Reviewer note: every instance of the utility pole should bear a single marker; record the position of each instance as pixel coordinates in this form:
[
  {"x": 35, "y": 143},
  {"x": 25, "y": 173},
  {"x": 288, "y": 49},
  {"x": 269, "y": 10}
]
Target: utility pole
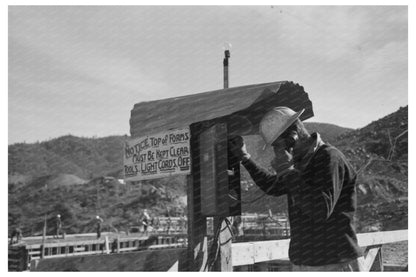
[
  {"x": 42, "y": 254},
  {"x": 97, "y": 202},
  {"x": 225, "y": 63}
]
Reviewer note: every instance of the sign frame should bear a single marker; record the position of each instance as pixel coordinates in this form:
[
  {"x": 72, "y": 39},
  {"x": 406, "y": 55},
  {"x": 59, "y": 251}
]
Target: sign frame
[{"x": 160, "y": 155}]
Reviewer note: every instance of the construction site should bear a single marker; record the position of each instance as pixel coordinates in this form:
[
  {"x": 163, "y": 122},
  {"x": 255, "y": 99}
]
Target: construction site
[
  {"x": 211, "y": 195},
  {"x": 236, "y": 178}
]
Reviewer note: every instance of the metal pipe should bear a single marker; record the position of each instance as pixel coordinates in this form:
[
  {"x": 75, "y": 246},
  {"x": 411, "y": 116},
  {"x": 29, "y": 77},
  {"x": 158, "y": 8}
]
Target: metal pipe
[{"x": 225, "y": 63}]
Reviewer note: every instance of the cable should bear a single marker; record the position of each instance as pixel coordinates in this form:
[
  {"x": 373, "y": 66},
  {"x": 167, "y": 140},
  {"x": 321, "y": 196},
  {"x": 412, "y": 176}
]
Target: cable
[
  {"x": 229, "y": 224},
  {"x": 216, "y": 243},
  {"x": 211, "y": 261},
  {"x": 247, "y": 202}
]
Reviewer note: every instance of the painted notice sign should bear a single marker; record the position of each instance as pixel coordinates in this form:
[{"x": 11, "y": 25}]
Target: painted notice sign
[{"x": 157, "y": 156}]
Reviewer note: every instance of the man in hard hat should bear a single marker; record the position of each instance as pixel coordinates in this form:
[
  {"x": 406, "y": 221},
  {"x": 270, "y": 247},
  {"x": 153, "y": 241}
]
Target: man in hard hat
[
  {"x": 17, "y": 232},
  {"x": 58, "y": 226},
  {"x": 99, "y": 222},
  {"x": 320, "y": 185},
  {"x": 145, "y": 220}
]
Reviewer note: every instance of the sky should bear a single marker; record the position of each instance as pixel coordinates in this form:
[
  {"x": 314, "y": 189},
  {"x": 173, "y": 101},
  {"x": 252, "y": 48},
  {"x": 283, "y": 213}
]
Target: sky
[{"x": 80, "y": 69}]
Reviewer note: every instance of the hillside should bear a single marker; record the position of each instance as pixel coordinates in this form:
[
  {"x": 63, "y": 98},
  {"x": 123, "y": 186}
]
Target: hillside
[
  {"x": 379, "y": 151},
  {"x": 78, "y": 202},
  {"x": 83, "y": 157},
  {"x": 65, "y": 175},
  {"x": 329, "y": 132}
]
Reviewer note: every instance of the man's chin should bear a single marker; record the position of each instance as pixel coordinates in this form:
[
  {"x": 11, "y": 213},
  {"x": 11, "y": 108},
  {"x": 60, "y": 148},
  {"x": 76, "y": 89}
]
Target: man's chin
[{"x": 296, "y": 156}]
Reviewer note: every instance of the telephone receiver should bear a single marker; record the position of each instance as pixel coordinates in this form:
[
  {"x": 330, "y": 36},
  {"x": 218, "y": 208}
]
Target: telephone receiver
[{"x": 233, "y": 141}]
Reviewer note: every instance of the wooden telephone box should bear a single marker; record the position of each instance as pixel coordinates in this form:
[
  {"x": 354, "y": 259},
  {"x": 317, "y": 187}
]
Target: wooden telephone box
[
  {"x": 213, "y": 185},
  {"x": 220, "y": 174}
]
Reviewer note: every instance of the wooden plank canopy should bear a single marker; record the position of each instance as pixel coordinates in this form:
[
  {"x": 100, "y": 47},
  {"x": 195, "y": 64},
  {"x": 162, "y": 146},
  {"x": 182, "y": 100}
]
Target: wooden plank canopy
[{"x": 240, "y": 107}]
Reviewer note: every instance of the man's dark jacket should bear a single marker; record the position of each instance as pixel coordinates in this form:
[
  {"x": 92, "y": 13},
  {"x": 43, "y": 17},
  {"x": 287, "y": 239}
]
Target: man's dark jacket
[{"x": 321, "y": 203}]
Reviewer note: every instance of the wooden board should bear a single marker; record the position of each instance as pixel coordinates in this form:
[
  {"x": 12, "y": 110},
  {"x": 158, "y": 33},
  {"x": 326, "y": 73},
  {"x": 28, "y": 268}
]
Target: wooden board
[
  {"x": 213, "y": 171},
  {"x": 245, "y": 253},
  {"x": 197, "y": 225},
  {"x": 165, "y": 154}
]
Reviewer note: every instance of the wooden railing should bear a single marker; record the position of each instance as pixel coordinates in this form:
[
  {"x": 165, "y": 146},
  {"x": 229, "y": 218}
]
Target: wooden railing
[
  {"x": 20, "y": 256},
  {"x": 250, "y": 253},
  {"x": 246, "y": 256},
  {"x": 104, "y": 246}
]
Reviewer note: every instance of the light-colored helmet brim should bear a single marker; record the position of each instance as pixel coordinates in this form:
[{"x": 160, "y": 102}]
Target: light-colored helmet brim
[{"x": 292, "y": 120}]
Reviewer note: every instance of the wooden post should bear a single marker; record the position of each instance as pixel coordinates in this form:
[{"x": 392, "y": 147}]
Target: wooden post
[
  {"x": 107, "y": 245},
  {"x": 373, "y": 259},
  {"x": 42, "y": 254},
  {"x": 210, "y": 178},
  {"x": 222, "y": 201},
  {"x": 378, "y": 261},
  {"x": 224, "y": 260},
  {"x": 197, "y": 225},
  {"x": 118, "y": 244}
]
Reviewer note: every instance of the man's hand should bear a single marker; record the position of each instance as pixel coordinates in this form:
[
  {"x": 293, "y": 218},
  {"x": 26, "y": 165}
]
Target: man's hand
[
  {"x": 283, "y": 160},
  {"x": 237, "y": 147}
]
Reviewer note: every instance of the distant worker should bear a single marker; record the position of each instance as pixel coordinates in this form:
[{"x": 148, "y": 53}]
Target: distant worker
[
  {"x": 145, "y": 220},
  {"x": 182, "y": 223},
  {"x": 156, "y": 223},
  {"x": 236, "y": 228},
  {"x": 114, "y": 246},
  {"x": 58, "y": 226},
  {"x": 17, "y": 232},
  {"x": 320, "y": 185},
  {"x": 99, "y": 222},
  {"x": 168, "y": 224}
]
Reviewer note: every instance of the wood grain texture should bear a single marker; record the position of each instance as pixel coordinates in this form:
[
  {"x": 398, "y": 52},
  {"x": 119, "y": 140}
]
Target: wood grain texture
[
  {"x": 245, "y": 253},
  {"x": 241, "y": 107},
  {"x": 197, "y": 225}
]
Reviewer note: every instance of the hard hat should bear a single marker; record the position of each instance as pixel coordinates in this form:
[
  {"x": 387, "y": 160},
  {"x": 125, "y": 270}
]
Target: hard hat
[
  {"x": 276, "y": 121},
  {"x": 97, "y": 217},
  {"x": 58, "y": 215}
]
